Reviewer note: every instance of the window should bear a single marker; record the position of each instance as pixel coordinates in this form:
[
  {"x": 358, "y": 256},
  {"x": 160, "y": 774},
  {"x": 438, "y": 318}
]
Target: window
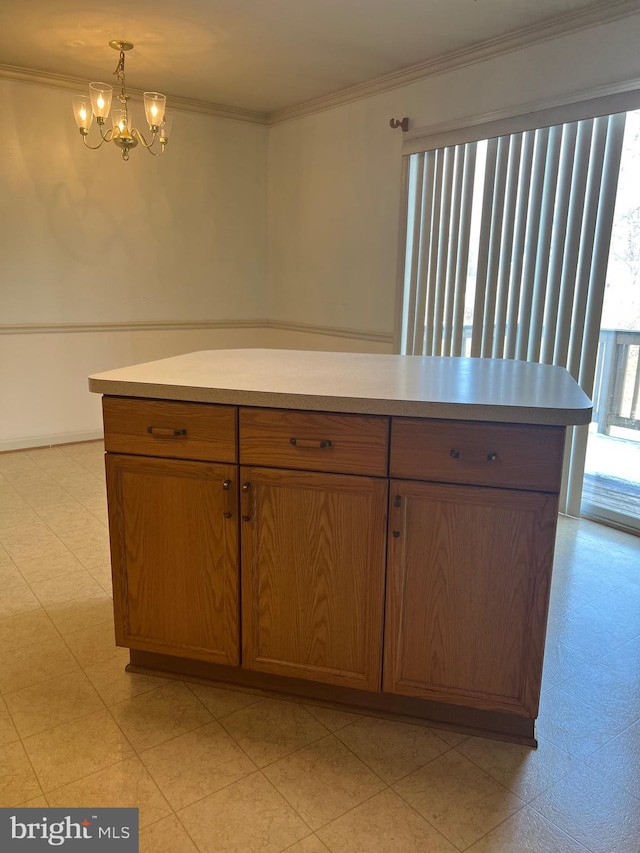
[{"x": 506, "y": 248}]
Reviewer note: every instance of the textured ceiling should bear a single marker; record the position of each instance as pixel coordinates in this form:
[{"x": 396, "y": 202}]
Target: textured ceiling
[{"x": 261, "y": 55}]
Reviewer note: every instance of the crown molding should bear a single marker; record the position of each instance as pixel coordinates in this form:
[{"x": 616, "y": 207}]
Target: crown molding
[
  {"x": 603, "y": 12},
  {"x": 188, "y": 326},
  {"x": 61, "y": 81}
]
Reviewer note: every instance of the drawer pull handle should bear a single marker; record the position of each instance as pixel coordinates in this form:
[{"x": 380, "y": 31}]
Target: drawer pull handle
[
  {"x": 226, "y": 494},
  {"x": 246, "y": 502},
  {"x": 162, "y": 432},
  {"x": 455, "y": 454},
  {"x": 310, "y": 442},
  {"x": 491, "y": 457}
]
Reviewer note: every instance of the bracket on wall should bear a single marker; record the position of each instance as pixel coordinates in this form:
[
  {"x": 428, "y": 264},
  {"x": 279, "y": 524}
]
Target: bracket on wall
[{"x": 400, "y": 122}]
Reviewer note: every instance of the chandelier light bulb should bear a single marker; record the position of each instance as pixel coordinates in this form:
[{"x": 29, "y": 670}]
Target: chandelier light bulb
[{"x": 82, "y": 113}]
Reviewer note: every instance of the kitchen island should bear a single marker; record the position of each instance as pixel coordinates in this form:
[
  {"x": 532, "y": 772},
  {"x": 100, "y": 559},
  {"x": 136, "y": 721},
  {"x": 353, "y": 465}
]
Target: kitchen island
[{"x": 369, "y": 530}]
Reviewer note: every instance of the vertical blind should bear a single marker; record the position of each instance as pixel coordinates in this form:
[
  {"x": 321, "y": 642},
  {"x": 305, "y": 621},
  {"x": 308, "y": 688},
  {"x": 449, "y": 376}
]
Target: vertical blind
[{"x": 507, "y": 244}]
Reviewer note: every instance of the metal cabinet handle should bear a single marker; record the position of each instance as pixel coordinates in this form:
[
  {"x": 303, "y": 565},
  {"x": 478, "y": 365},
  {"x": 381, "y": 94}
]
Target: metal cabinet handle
[
  {"x": 491, "y": 457},
  {"x": 310, "y": 442},
  {"x": 226, "y": 496},
  {"x": 163, "y": 432},
  {"x": 455, "y": 454},
  {"x": 246, "y": 502}
]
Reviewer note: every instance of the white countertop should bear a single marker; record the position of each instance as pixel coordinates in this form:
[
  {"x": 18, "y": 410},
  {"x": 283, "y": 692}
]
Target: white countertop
[{"x": 414, "y": 386}]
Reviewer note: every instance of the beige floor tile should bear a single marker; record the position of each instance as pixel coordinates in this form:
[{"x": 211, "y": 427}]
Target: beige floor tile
[
  {"x": 526, "y": 832},
  {"x": 246, "y": 816},
  {"x": 166, "y": 836},
  {"x": 323, "y": 781},
  {"x": 96, "y": 536},
  {"x": 35, "y": 803},
  {"x": 17, "y": 599},
  {"x": 50, "y": 565},
  {"x": 8, "y": 732},
  {"x": 123, "y": 785},
  {"x": 159, "y": 715},
  {"x": 25, "y": 629},
  {"x": 572, "y": 726},
  {"x": 66, "y": 588},
  {"x": 310, "y": 844},
  {"x": 196, "y": 764},
  {"x": 600, "y": 627},
  {"x": 18, "y": 782},
  {"x": 383, "y": 824},
  {"x": 10, "y": 576},
  {"x": 332, "y": 718},
  {"x": 458, "y": 798},
  {"x": 450, "y": 737},
  {"x": 525, "y": 771},
  {"x": 102, "y": 575},
  {"x": 83, "y": 613},
  {"x": 613, "y": 691},
  {"x": 270, "y": 729},
  {"x": 222, "y": 701},
  {"x": 73, "y": 518},
  {"x": 94, "y": 645},
  {"x": 48, "y": 704},
  {"x": 598, "y": 814},
  {"x": 392, "y": 750},
  {"x": 29, "y": 541},
  {"x": 114, "y": 684},
  {"x": 559, "y": 663},
  {"x": 619, "y": 760},
  {"x": 33, "y": 664},
  {"x": 13, "y": 517},
  {"x": 5, "y": 559},
  {"x": 93, "y": 555},
  {"x": 76, "y": 749}
]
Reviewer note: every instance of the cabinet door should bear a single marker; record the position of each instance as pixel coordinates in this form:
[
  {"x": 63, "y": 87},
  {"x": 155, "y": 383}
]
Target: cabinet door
[
  {"x": 467, "y": 594},
  {"x": 173, "y": 528},
  {"x": 313, "y": 553}
]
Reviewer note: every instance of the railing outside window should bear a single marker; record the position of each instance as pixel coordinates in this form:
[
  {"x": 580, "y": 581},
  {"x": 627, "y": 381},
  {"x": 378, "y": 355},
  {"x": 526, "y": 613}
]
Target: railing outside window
[{"x": 616, "y": 393}]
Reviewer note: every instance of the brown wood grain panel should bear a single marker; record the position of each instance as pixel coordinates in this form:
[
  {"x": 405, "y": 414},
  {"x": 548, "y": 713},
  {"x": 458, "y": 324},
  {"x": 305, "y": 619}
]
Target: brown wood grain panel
[
  {"x": 358, "y": 443},
  {"x": 526, "y": 457},
  {"x": 467, "y": 594},
  {"x": 174, "y": 557},
  {"x": 313, "y": 576},
  {"x": 208, "y": 430}
]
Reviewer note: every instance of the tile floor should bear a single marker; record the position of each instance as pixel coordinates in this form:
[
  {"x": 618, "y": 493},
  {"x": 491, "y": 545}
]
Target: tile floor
[{"x": 237, "y": 772}]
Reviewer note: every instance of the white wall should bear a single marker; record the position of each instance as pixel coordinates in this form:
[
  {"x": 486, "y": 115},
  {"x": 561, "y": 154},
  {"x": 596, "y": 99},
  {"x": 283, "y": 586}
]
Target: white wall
[
  {"x": 334, "y": 177},
  {"x": 87, "y": 238}
]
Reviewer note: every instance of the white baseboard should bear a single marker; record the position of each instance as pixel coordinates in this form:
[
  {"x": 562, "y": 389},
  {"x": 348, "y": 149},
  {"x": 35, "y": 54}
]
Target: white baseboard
[{"x": 49, "y": 440}]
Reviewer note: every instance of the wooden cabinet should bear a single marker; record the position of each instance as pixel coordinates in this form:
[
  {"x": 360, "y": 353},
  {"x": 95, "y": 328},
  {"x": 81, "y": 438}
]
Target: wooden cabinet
[
  {"x": 281, "y": 516},
  {"x": 313, "y": 564},
  {"x": 468, "y": 583},
  {"x": 174, "y": 554}
]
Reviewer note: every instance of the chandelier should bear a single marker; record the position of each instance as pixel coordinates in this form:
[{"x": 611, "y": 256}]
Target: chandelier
[{"x": 126, "y": 137}]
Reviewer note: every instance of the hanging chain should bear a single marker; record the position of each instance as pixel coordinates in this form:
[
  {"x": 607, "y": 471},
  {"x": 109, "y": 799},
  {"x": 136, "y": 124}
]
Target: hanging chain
[{"x": 119, "y": 73}]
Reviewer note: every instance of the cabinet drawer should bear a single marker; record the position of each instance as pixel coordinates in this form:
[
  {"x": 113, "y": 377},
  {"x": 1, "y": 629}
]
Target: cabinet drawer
[
  {"x": 314, "y": 441},
  {"x": 172, "y": 429},
  {"x": 510, "y": 455}
]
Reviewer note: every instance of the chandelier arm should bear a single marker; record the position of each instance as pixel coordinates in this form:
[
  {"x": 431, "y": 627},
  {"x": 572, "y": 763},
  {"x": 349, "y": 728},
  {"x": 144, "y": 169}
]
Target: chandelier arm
[
  {"x": 108, "y": 136},
  {"x": 137, "y": 135},
  {"x": 93, "y": 147},
  {"x": 157, "y": 153}
]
